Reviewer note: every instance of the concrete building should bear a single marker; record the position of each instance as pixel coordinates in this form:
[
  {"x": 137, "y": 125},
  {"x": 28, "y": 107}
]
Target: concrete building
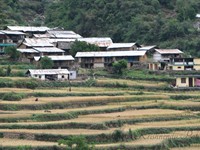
[
  {"x": 49, "y": 74},
  {"x": 187, "y": 81}
]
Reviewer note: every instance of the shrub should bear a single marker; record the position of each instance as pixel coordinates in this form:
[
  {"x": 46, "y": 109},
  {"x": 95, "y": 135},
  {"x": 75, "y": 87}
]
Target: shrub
[{"x": 12, "y": 96}]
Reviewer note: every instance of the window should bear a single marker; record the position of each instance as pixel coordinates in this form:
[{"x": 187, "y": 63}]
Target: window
[
  {"x": 179, "y": 67},
  {"x": 63, "y": 76},
  {"x": 183, "y": 80},
  {"x": 40, "y": 77}
]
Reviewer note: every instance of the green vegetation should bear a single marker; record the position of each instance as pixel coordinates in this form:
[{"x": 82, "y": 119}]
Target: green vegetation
[
  {"x": 119, "y": 66},
  {"x": 13, "y": 53},
  {"x": 76, "y": 143},
  {"x": 79, "y": 46},
  {"x": 46, "y": 63}
]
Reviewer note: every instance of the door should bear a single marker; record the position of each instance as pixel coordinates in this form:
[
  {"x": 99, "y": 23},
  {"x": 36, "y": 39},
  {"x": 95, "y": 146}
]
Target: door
[{"x": 190, "y": 82}]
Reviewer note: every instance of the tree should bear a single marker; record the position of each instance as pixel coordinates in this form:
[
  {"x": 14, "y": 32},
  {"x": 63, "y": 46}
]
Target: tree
[
  {"x": 80, "y": 46},
  {"x": 76, "y": 143},
  {"x": 119, "y": 66},
  {"x": 46, "y": 63},
  {"x": 12, "y": 52}
]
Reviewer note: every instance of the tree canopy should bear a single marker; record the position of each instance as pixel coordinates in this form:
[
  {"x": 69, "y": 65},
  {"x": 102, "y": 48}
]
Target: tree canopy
[
  {"x": 79, "y": 46},
  {"x": 46, "y": 63},
  {"x": 12, "y": 52}
]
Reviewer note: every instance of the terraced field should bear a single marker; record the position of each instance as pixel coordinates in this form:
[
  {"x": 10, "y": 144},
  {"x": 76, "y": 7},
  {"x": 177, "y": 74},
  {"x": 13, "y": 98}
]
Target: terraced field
[{"x": 125, "y": 117}]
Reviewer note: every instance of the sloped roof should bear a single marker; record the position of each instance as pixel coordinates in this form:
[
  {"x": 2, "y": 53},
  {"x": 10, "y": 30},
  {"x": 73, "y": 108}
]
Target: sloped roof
[
  {"x": 28, "y": 28},
  {"x": 47, "y": 71},
  {"x": 99, "y": 41},
  {"x": 30, "y": 50},
  {"x": 122, "y": 45},
  {"x": 198, "y": 15},
  {"x": 169, "y": 51},
  {"x": 110, "y": 54},
  {"x": 33, "y": 42},
  {"x": 64, "y": 34},
  {"x": 12, "y": 32},
  {"x": 56, "y": 58},
  {"x": 146, "y": 48},
  {"x": 42, "y": 35},
  {"x": 48, "y": 49}
]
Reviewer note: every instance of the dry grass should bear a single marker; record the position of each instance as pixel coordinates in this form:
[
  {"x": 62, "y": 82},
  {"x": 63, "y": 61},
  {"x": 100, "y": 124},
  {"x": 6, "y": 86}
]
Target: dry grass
[
  {"x": 17, "y": 142},
  {"x": 141, "y": 141},
  {"x": 65, "y": 90},
  {"x": 43, "y": 100},
  {"x": 58, "y": 131},
  {"x": 159, "y": 124},
  {"x": 53, "y": 111},
  {"x": 132, "y": 82},
  {"x": 135, "y": 113}
]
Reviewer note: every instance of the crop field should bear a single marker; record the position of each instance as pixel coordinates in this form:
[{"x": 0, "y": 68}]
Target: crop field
[{"x": 110, "y": 114}]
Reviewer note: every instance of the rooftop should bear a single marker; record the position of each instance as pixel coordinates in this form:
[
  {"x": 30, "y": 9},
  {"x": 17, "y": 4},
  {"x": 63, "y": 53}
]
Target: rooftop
[
  {"x": 122, "y": 45},
  {"x": 169, "y": 51},
  {"x": 28, "y": 28},
  {"x": 30, "y": 50},
  {"x": 110, "y": 54},
  {"x": 47, "y": 71},
  {"x": 48, "y": 49},
  {"x": 99, "y": 41},
  {"x": 56, "y": 58},
  {"x": 33, "y": 42}
]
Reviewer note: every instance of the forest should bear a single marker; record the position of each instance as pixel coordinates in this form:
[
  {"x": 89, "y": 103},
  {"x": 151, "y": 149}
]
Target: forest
[{"x": 168, "y": 24}]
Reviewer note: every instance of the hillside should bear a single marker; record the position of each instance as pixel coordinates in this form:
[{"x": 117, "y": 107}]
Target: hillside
[{"x": 169, "y": 24}]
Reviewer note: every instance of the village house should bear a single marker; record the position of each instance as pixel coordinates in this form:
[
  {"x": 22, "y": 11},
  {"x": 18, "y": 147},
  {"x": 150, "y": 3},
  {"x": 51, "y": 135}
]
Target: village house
[
  {"x": 10, "y": 38},
  {"x": 29, "y": 30},
  {"x": 123, "y": 46},
  {"x": 181, "y": 64},
  {"x": 160, "y": 59},
  {"x": 106, "y": 58},
  {"x": 101, "y": 42},
  {"x": 187, "y": 81},
  {"x": 27, "y": 55},
  {"x": 196, "y": 63},
  {"x": 64, "y": 62},
  {"x": 164, "y": 55},
  {"x": 49, "y": 74},
  {"x": 33, "y": 42}
]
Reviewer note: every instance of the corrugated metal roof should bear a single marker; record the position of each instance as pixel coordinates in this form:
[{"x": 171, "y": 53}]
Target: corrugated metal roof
[
  {"x": 33, "y": 42},
  {"x": 56, "y": 58},
  {"x": 60, "y": 32},
  {"x": 42, "y": 35},
  {"x": 99, "y": 41},
  {"x": 48, "y": 49},
  {"x": 28, "y": 28},
  {"x": 48, "y": 71},
  {"x": 110, "y": 54},
  {"x": 61, "y": 40},
  {"x": 121, "y": 45},
  {"x": 146, "y": 48},
  {"x": 169, "y": 51},
  {"x": 30, "y": 50},
  {"x": 12, "y": 32},
  {"x": 67, "y": 36}
]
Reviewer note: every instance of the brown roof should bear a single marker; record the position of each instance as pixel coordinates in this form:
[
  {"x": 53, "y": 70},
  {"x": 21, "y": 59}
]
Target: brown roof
[{"x": 169, "y": 51}]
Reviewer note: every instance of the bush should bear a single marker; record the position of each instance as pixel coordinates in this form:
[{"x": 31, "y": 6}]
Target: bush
[{"x": 13, "y": 96}]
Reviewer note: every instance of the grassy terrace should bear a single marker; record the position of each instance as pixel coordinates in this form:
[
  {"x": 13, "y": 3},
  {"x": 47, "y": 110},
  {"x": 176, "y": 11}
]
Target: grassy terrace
[{"x": 110, "y": 113}]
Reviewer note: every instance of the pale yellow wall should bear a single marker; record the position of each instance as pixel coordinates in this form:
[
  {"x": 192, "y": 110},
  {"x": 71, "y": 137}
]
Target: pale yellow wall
[
  {"x": 179, "y": 84},
  {"x": 197, "y": 63},
  {"x": 177, "y": 68}
]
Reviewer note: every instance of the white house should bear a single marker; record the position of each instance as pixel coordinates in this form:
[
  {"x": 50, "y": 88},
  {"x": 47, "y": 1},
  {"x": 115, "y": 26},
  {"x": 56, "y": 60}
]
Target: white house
[
  {"x": 166, "y": 54},
  {"x": 49, "y": 74}
]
